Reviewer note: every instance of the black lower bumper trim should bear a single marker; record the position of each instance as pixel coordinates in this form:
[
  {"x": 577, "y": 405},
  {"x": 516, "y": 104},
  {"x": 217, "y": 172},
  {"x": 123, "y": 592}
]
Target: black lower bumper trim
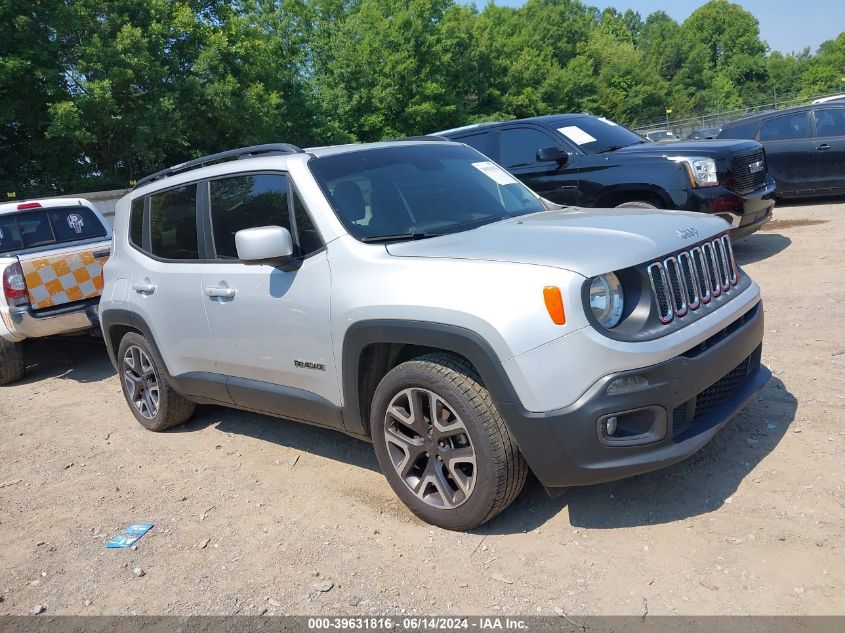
[{"x": 705, "y": 390}]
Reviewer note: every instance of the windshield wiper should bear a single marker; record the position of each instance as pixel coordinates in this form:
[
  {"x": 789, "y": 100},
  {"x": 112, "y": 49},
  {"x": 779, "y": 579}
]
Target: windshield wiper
[
  {"x": 375, "y": 239},
  {"x": 613, "y": 148}
]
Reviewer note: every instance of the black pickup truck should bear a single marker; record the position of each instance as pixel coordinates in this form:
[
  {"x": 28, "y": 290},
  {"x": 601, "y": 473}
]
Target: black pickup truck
[{"x": 584, "y": 160}]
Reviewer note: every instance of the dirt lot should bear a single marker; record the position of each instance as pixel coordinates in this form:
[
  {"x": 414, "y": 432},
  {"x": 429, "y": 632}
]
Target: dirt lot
[{"x": 253, "y": 513}]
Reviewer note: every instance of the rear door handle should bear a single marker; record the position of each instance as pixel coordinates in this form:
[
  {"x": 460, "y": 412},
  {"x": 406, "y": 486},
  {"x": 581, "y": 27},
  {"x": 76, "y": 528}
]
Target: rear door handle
[
  {"x": 823, "y": 147},
  {"x": 100, "y": 254},
  {"x": 144, "y": 287},
  {"x": 214, "y": 291}
]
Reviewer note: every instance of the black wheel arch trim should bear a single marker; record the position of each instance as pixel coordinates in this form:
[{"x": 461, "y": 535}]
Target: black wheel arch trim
[
  {"x": 635, "y": 192},
  {"x": 449, "y": 338},
  {"x": 116, "y": 317}
]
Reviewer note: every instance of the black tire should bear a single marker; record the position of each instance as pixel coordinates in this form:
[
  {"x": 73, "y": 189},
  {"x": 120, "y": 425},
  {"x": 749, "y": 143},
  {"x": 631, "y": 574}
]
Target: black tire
[
  {"x": 499, "y": 469},
  {"x": 637, "y": 204},
  {"x": 12, "y": 365},
  {"x": 171, "y": 408}
]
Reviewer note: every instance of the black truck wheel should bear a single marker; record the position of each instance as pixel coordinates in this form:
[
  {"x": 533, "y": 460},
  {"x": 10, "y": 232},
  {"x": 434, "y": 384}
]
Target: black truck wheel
[{"x": 12, "y": 365}]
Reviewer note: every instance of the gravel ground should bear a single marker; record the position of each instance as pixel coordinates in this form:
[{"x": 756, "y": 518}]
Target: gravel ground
[{"x": 254, "y": 514}]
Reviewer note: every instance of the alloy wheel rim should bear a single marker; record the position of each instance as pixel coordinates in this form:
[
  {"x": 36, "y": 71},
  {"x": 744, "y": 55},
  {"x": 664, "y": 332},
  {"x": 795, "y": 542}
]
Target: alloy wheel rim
[
  {"x": 430, "y": 448},
  {"x": 141, "y": 381}
]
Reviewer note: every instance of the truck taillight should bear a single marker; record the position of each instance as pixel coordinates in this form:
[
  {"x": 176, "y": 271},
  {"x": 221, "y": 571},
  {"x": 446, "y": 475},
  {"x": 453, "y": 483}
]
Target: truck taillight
[{"x": 14, "y": 286}]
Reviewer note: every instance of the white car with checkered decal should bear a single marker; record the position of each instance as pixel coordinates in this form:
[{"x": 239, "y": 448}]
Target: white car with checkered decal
[{"x": 52, "y": 253}]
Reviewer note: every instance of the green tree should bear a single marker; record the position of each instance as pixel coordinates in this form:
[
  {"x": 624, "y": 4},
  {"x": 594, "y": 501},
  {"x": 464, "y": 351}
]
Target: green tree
[{"x": 31, "y": 77}]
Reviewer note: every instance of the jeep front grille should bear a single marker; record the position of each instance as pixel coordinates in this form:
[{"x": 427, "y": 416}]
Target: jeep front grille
[{"x": 686, "y": 280}]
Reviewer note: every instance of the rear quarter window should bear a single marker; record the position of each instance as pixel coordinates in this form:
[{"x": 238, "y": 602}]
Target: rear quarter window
[
  {"x": 136, "y": 223},
  {"x": 483, "y": 142},
  {"x": 745, "y": 130},
  {"x": 173, "y": 223}
]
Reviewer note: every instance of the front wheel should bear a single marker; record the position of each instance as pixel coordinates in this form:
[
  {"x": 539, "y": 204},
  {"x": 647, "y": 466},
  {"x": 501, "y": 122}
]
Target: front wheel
[
  {"x": 152, "y": 400},
  {"x": 442, "y": 444},
  {"x": 636, "y": 204}
]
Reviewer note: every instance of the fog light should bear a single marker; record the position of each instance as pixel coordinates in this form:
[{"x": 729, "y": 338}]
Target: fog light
[
  {"x": 627, "y": 384},
  {"x": 635, "y": 427}
]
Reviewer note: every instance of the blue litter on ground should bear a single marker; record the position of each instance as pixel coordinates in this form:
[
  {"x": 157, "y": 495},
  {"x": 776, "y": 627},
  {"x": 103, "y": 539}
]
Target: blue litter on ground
[
  {"x": 771, "y": 426},
  {"x": 131, "y": 534}
]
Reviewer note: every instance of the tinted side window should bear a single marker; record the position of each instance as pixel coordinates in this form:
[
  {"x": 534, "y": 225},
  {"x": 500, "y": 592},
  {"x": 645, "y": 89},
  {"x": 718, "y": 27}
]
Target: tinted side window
[
  {"x": 785, "y": 128},
  {"x": 309, "y": 237},
  {"x": 482, "y": 142},
  {"x": 746, "y": 130},
  {"x": 519, "y": 148},
  {"x": 244, "y": 202},
  {"x": 173, "y": 223},
  {"x": 10, "y": 234},
  {"x": 830, "y": 122},
  {"x": 136, "y": 222}
]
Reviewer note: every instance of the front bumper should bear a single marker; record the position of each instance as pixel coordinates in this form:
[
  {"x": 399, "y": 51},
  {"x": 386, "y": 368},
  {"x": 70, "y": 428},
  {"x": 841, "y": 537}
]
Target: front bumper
[
  {"x": 690, "y": 397},
  {"x": 745, "y": 213},
  {"x": 23, "y": 323}
]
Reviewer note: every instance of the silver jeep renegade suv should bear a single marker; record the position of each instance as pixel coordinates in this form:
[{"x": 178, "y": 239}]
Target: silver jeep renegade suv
[{"x": 414, "y": 294}]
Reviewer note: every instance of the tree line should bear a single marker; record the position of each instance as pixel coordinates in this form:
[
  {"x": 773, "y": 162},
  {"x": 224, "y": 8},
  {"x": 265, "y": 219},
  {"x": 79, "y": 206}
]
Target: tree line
[{"x": 97, "y": 93}]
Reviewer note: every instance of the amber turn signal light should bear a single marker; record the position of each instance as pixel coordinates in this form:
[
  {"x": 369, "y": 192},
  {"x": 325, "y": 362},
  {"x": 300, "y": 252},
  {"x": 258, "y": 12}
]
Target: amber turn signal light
[{"x": 554, "y": 304}]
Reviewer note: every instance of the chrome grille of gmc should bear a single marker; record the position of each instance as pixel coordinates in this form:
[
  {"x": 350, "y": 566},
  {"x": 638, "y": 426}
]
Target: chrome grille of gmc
[{"x": 693, "y": 277}]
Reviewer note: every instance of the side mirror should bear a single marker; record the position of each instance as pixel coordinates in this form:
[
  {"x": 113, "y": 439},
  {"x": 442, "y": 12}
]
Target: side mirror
[
  {"x": 552, "y": 154},
  {"x": 264, "y": 243}
]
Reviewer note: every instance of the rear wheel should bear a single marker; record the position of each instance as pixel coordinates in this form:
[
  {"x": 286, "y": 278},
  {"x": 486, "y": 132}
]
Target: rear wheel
[
  {"x": 442, "y": 444},
  {"x": 12, "y": 365},
  {"x": 152, "y": 400}
]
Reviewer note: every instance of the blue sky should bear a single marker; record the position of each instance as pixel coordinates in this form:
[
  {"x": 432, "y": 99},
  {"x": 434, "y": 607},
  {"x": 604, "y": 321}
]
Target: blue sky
[{"x": 786, "y": 25}]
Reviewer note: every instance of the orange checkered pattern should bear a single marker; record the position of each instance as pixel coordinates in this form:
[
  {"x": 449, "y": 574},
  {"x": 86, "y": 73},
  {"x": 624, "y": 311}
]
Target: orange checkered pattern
[{"x": 53, "y": 281}]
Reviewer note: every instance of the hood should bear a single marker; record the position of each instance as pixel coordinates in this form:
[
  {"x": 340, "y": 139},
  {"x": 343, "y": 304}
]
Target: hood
[
  {"x": 586, "y": 241},
  {"x": 712, "y": 148}
]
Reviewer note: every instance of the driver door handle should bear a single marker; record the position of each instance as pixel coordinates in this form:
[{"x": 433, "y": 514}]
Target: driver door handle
[
  {"x": 216, "y": 291},
  {"x": 823, "y": 147}
]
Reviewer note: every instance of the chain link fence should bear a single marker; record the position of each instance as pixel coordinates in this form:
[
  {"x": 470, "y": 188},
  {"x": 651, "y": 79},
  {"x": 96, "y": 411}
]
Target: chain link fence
[{"x": 682, "y": 127}]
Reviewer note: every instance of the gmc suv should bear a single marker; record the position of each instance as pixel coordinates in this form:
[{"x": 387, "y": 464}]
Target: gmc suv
[
  {"x": 583, "y": 160},
  {"x": 414, "y": 294}
]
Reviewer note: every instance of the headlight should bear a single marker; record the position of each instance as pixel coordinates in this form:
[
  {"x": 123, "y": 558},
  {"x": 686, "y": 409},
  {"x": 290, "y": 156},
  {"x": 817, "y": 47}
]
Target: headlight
[
  {"x": 607, "y": 299},
  {"x": 701, "y": 170}
]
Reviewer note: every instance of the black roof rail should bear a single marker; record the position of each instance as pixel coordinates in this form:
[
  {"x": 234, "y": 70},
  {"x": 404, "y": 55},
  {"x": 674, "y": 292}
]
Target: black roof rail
[
  {"x": 242, "y": 152},
  {"x": 422, "y": 137}
]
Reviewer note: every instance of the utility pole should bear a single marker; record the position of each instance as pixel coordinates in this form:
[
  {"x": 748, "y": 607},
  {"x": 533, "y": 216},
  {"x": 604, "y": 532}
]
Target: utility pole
[{"x": 668, "y": 112}]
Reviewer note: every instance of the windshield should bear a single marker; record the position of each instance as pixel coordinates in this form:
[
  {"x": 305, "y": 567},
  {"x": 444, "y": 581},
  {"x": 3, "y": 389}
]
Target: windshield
[
  {"x": 420, "y": 190},
  {"x": 594, "y": 135}
]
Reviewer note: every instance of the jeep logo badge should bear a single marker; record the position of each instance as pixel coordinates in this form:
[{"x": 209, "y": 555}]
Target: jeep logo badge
[
  {"x": 756, "y": 166},
  {"x": 687, "y": 233}
]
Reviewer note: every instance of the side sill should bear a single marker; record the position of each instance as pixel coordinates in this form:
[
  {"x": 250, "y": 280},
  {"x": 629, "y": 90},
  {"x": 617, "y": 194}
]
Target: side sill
[{"x": 262, "y": 397}]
